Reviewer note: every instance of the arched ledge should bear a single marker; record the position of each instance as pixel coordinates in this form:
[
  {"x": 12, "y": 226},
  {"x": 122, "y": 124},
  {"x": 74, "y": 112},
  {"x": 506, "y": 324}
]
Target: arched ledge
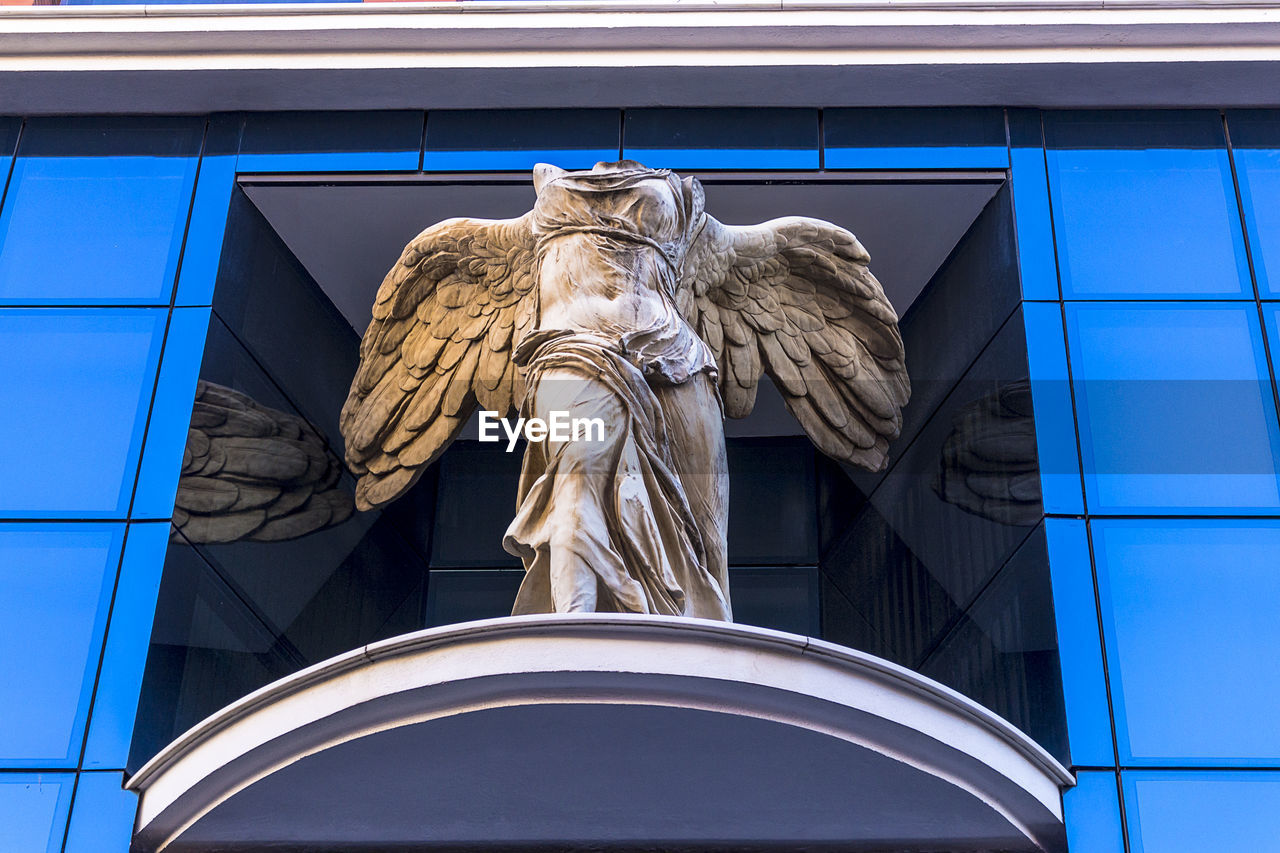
[{"x": 608, "y": 731}]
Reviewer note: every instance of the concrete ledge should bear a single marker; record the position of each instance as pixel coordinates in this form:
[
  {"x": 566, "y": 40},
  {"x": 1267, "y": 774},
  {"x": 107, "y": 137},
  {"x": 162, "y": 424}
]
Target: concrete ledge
[
  {"x": 584, "y": 53},
  {"x": 618, "y": 731}
]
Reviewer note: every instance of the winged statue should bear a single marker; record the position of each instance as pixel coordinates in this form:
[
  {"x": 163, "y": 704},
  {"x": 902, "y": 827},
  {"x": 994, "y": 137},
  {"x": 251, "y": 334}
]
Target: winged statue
[{"x": 617, "y": 298}]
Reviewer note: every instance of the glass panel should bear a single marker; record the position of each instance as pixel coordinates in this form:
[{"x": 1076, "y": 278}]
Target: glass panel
[
  {"x": 916, "y": 577},
  {"x": 1037, "y": 257},
  {"x": 477, "y": 500},
  {"x": 773, "y": 511},
  {"x": 1063, "y": 489},
  {"x": 516, "y": 140},
  {"x": 1255, "y": 143},
  {"x": 1174, "y": 408},
  {"x": 781, "y": 598},
  {"x": 1188, "y": 607},
  {"x": 270, "y": 568},
  {"x": 209, "y": 211},
  {"x": 33, "y": 810},
  {"x": 1092, "y": 814},
  {"x": 73, "y": 407},
  {"x": 463, "y": 595},
  {"x": 170, "y": 413},
  {"x": 1075, "y": 611},
  {"x": 914, "y": 139},
  {"x": 960, "y": 310},
  {"x": 1003, "y": 651},
  {"x": 102, "y": 821},
  {"x": 1171, "y": 812},
  {"x": 722, "y": 138},
  {"x": 108, "y": 199},
  {"x": 331, "y": 142},
  {"x": 1145, "y": 206},
  {"x": 133, "y": 611},
  {"x": 275, "y": 309},
  {"x": 55, "y": 589}
]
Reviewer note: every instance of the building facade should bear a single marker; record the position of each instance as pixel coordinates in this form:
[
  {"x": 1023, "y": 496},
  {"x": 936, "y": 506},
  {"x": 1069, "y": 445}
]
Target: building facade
[{"x": 1075, "y": 211}]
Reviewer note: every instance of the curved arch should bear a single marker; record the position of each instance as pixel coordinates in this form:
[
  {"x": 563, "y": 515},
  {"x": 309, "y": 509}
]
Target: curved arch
[{"x": 745, "y": 700}]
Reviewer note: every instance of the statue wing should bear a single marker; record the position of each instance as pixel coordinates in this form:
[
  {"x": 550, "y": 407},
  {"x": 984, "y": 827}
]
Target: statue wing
[
  {"x": 440, "y": 341},
  {"x": 794, "y": 298}
]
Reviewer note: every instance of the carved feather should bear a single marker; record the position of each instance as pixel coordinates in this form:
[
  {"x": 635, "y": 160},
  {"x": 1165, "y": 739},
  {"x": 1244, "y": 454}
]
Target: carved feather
[
  {"x": 794, "y": 298},
  {"x": 440, "y": 339}
]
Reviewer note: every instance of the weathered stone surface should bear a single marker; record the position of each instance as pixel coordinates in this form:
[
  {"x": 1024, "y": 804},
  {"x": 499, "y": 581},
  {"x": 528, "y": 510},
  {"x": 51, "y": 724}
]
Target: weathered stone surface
[{"x": 619, "y": 298}]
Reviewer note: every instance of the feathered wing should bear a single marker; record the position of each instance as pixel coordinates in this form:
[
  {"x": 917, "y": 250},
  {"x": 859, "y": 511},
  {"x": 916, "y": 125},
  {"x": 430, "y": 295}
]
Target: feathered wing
[
  {"x": 794, "y": 298},
  {"x": 439, "y": 343},
  {"x": 252, "y": 472}
]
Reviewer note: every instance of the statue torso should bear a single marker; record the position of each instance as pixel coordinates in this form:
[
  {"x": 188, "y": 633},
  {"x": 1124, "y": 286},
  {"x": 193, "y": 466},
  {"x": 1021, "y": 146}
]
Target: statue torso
[{"x": 609, "y": 248}]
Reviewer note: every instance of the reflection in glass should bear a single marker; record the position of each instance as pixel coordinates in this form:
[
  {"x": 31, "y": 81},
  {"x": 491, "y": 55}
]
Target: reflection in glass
[
  {"x": 1175, "y": 410},
  {"x": 940, "y": 564},
  {"x": 252, "y": 472},
  {"x": 1144, "y": 206},
  {"x": 989, "y": 465}
]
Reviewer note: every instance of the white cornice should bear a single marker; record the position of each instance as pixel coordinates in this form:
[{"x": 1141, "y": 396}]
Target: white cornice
[
  {"x": 926, "y": 736},
  {"x": 580, "y": 53}
]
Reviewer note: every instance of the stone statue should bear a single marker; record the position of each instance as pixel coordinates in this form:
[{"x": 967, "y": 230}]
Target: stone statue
[
  {"x": 250, "y": 472},
  {"x": 618, "y": 298}
]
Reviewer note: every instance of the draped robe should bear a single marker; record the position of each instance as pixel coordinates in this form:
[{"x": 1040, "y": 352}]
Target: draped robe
[{"x": 620, "y": 524}]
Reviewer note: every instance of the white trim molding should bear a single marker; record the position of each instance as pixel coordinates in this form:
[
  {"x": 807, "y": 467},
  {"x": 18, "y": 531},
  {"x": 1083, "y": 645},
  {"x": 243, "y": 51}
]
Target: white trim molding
[
  {"x": 716, "y": 695},
  {"x": 582, "y": 53}
]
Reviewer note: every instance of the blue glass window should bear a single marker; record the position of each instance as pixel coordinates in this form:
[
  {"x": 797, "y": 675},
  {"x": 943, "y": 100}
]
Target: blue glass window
[
  {"x": 209, "y": 210},
  {"x": 132, "y": 615},
  {"x": 1174, "y": 411},
  {"x": 1091, "y": 811},
  {"x": 1189, "y": 614},
  {"x": 102, "y": 821},
  {"x": 96, "y": 211},
  {"x": 722, "y": 138},
  {"x": 33, "y": 810},
  {"x": 1145, "y": 206},
  {"x": 914, "y": 139},
  {"x": 1061, "y": 487},
  {"x": 1255, "y": 144},
  {"x": 73, "y": 406},
  {"x": 1195, "y": 812},
  {"x": 55, "y": 588},
  {"x": 331, "y": 142},
  {"x": 1084, "y": 685},
  {"x": 472, "y": 140},
  {"x": 1037, "y": 258},
  {"x": 170, "y": 413}
]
